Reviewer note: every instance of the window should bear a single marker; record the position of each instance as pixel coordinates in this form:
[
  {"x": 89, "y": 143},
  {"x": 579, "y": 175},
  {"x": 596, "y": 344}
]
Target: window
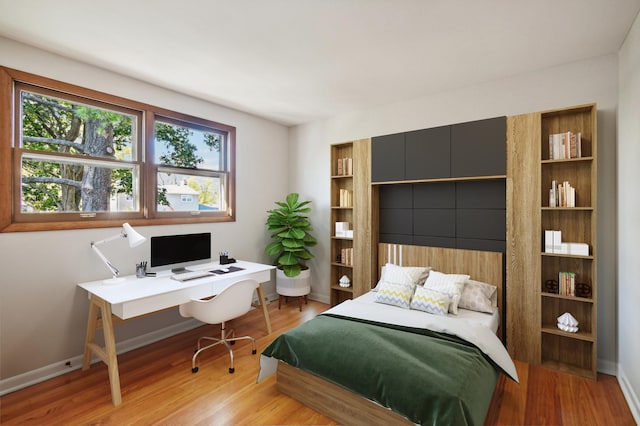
[
  {"x": 191, "y": 166},
  {"x": 76, "y": 158}
]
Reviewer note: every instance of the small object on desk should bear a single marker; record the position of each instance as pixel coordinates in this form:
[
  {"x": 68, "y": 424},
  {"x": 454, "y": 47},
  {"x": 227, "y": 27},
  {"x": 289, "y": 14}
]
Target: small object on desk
[
  {"x": 188, "y": 276},
  {"x": 227, "y": 270},
  {"x": 141, "y": 269},
  {"x": 225, "y": 259}
]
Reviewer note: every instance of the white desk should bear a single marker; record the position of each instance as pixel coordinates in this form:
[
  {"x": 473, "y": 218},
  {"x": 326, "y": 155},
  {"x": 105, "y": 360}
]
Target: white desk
[{"x": 135, "y": 297}]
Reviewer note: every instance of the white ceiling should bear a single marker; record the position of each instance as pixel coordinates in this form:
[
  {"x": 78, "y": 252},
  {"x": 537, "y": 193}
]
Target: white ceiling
[{"x": 294, "y": 61}]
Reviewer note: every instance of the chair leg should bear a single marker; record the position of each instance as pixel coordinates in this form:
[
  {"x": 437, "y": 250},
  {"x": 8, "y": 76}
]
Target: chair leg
[
  {"x": 194, "y": 368},
  {"x": 231, "y": 368},
  {"x": 227, "y": 338}
]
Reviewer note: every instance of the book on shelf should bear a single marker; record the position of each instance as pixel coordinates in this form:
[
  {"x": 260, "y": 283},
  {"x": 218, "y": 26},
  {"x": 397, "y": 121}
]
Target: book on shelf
[
  {"x": 553, "y": 244},
  {"x": 562, "y": 194},
  {"x": 345, "y": 166},
  {"x": 346, "y": 198},
  {"x": 567, "y": 283},
  {"x": 552, "y": 241},
  {"x": 565, "y": 145},
  {"x": 346, "y": 256},
  {"x": 342, "y": 229}
]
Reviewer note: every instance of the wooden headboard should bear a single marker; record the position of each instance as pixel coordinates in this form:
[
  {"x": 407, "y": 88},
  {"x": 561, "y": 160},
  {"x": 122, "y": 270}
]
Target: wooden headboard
[{"x": 485, "y": 266}]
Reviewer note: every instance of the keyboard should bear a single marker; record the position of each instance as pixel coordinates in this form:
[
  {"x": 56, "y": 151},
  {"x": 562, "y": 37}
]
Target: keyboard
[{"x": 188, "y": 276}]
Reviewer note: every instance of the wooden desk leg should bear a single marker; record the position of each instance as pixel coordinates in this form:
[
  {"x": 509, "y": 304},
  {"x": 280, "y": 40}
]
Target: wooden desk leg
[
  {"x": 265, "y": 311},
  {"x": 108, "y": 353},
  {"x": 92, "y": 326}
]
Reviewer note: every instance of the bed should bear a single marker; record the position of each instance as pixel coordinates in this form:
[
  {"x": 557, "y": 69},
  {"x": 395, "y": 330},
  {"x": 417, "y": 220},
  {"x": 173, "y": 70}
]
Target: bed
[{"x": 370, "y": 361}]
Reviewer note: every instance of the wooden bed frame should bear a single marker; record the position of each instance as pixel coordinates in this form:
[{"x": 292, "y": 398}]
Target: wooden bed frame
[{"x": 348, "y": 408}]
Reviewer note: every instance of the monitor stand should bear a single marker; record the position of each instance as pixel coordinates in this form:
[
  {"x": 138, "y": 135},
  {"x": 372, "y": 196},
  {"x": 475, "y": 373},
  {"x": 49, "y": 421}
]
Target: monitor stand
[{"x": 179, "y": 270}]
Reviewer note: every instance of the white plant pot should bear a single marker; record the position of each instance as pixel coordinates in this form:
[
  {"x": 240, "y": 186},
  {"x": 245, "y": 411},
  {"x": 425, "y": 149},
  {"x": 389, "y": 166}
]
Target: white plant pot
[{"x": 296, "y": 286}]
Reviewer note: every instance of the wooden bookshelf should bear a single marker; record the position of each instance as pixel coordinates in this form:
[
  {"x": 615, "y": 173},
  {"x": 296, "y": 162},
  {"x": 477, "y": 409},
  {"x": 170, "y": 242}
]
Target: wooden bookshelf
[
  {"x": 573, "y": 352},
  {"x": 529, "y": 214},
  {"x": 357, "y": 212}
]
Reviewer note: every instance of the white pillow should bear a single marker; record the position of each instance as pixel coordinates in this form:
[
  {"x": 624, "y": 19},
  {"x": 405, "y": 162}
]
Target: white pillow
[
  {"x": 394, "y": 273},
  {"x": 452, "y": 284},
  {"x": 477, "y": 296},
  {"x": 431, "y": 301},
  {"x": 396, "y": 294}
]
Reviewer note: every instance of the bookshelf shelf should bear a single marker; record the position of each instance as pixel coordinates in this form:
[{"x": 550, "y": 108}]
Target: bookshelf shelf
[
  {"x": 568, "y": 256},
  {"x": 573, "y": 298},
  {"x": 342, "y": 289},
  {"x": 566, "y": 208},
  {"x": 580, "y": 335},
  {"x": 568, "y": 160}
]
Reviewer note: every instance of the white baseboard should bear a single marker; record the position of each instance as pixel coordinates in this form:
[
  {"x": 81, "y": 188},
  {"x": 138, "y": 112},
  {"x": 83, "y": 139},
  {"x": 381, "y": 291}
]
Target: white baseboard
[
  {"x": 629, "y": 395},
  {"x": 29, "y": 378},
  {"x": 607, "y": 367}
]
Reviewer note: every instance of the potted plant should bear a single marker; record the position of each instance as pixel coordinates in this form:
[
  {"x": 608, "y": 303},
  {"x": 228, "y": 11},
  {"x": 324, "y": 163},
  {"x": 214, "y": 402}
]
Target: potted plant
[{"x": 289, "y": 227}]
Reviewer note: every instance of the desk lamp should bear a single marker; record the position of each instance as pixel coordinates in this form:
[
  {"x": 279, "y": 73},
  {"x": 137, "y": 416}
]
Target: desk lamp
[{"x": 135, "y": 239}]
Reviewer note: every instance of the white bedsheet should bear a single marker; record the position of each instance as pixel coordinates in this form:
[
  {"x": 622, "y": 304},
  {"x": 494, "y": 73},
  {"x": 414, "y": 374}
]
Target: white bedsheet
[{"x": 488, "y": 320}]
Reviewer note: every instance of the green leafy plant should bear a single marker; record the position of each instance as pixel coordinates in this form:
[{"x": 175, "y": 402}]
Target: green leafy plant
[{"x": 289, "y": 227}]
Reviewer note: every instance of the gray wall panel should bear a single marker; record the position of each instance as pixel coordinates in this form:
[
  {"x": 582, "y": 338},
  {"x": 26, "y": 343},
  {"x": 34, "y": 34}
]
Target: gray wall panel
[
  {"x": 396, "y": 221},
  {"x": 397, "y": 239},
  {"x": 396, "y": 196},
  {"x": 434, "y": 222},
  {"x": 420, "y": 240},
  {"x": 484, "y": 194},
  {"x": 486, "y": 245},
  {"x": 441, "y": 195},
  {"x": 481, "y": 224}
]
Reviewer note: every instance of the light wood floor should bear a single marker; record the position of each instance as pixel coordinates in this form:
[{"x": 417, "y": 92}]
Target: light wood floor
[{"x": 159, "y": 388}]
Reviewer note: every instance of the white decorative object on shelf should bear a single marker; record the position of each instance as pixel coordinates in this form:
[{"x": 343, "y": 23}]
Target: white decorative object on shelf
[
  {"x": 345, "y": 281},
  {"x": 566, "y": 322}
]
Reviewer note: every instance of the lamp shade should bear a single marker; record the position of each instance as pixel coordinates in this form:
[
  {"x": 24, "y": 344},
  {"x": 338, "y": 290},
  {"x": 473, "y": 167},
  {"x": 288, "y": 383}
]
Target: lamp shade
[{"x": 135, "y": 239}]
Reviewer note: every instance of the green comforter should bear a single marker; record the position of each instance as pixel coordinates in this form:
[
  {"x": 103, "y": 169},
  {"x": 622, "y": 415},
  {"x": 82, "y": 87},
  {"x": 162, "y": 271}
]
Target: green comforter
[{"x": 428, "y": 377}]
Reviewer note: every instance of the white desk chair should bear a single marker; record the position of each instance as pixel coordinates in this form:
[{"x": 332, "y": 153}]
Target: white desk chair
[{"x": 232, "y": 302}]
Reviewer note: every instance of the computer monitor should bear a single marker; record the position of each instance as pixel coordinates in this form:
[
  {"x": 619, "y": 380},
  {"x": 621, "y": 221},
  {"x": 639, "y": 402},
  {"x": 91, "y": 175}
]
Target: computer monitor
[{"x": 180, "y": 251}]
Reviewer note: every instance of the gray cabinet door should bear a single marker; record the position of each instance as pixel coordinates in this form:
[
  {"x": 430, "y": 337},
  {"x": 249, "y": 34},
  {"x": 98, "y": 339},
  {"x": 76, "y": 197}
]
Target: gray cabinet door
[
  {"x": 479, "y": 148},
  {"x": 428, "y": 153},
  {"x": 387, "y": 158}
]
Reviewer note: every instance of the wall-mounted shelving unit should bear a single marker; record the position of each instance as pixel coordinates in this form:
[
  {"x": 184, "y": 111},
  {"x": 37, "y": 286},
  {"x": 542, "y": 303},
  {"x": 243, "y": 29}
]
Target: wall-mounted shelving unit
[
  {"x": 351, "y": 203},
  {"x": 575, "y": 353}
]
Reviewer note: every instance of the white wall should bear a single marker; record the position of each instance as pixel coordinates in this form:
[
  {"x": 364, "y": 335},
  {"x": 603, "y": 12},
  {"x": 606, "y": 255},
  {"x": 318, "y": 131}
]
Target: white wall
[
  {"x": 42, "y": 313},
  {"x": 629, "y": 218},
  {"x": 594, "y": 80}
]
